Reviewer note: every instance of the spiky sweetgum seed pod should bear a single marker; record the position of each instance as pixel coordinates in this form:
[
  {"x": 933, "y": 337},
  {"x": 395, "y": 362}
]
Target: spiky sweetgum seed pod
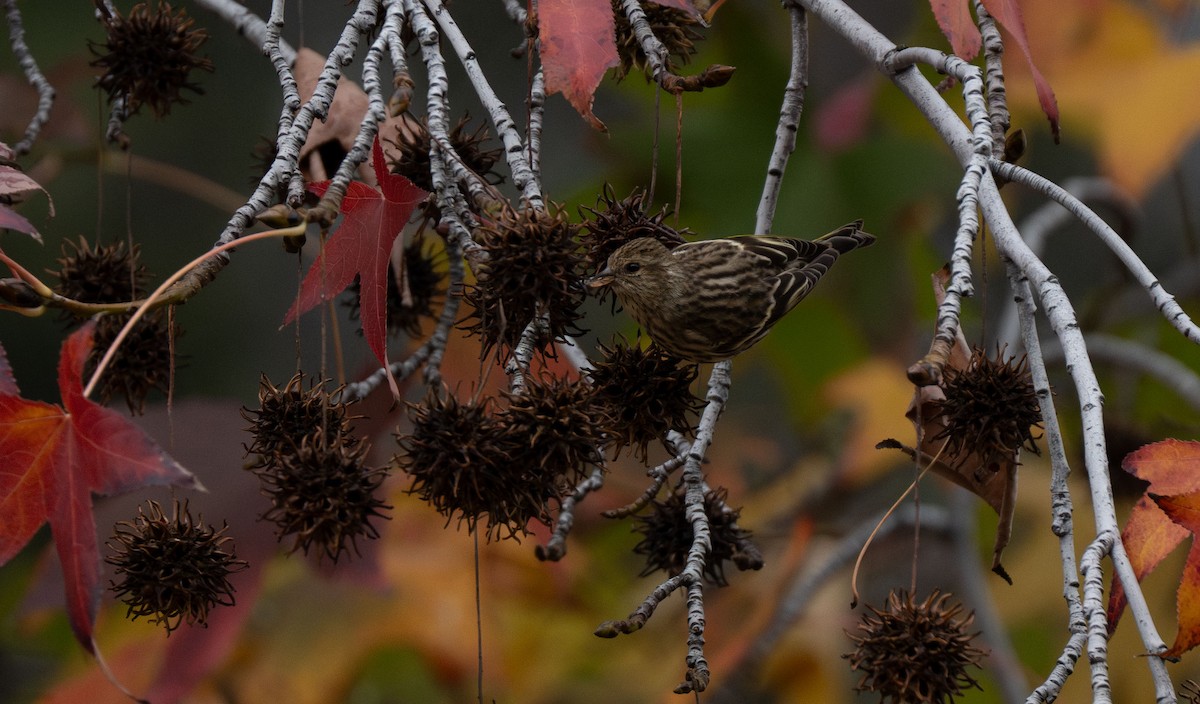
[
  {"x": 555, "y": 432},
  {"x": 667, "y": 537},
  {"x": 614, "y": 222},
  {"x": 472, "y": 146},
  {"x": 915, "y": 653},
  {"x": 676, "y": 30},
  {"x": 534, "y": 267},
  {"x": 172, "y": 568},
  {"x": 461, "y": 460},
  {"x": 425, "y": 291},
  {"x": 148, "y": 57},
  {"x": 323, "y": 495},
  {"x": 643, "y": 394},
  {"x": 289, "y": 413},
  {"x": 100, "y": 274},
  {"x": 413, "y": 139},
  {"x": 142, "y": 363},
  {"x": 990, "y": 409}
]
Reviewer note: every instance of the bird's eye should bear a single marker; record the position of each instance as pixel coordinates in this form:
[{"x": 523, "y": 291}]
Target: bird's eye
[{"x": 633, "y": 267}]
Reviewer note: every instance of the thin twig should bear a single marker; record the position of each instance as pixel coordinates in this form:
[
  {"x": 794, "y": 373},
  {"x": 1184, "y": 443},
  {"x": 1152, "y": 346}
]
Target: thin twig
[
  {"x": 789, "y": 119},
  {"x": 691, "y": 576},
  {"x": 248, "y": 25},
  {"x": 928, "y": 371},
  {"x": 993, "y": 57},
  {"x": 1163, "y": 301},
  {"x": 522, "y": 356},
  {"x": 1061, "y": 523},
  {"x": 524, "y": 178},
  {"x": 556, "y": 547},
  {"x": 33, "y": 74}
]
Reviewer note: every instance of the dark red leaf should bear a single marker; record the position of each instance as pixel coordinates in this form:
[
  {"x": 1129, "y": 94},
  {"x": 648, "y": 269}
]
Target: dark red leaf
[
  {"x": 14, "y": 184},
  {"x": 362, "y": 247},
  {"x": 1008, "y": 14},
  {"x": 578, "y": 44},
  {"x": 11, "y": 220},
  {"x": 8, "y": 383},
  {"x": 1171, "y": 466},
  {"x": 955, "y": 20},
  {"x": 55, "y": 459}
]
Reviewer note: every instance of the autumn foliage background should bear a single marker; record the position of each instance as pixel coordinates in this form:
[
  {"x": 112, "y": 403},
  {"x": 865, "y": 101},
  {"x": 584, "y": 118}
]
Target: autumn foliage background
[{"x": 796, "y": 447}]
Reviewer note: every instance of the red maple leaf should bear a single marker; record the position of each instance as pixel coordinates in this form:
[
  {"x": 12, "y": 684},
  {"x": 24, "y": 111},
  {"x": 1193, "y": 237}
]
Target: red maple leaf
[
  {"x": 954, "y": 19},
  {"x": 1159, "y": 522},
  {"x": 362, "y": 246},
  {"x": 53, "y": 458},
  {"x": 578, "y": 44}
]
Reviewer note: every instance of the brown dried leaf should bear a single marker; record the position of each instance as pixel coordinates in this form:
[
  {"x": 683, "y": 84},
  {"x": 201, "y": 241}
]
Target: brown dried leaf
[
  {"x": 995, "y": 483},
  {"x": 345, "y": 113}
]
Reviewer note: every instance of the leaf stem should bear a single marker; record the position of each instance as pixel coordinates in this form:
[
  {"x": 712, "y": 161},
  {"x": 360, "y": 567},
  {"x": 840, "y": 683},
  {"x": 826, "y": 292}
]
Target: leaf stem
[{"x": 148, "y": 303}]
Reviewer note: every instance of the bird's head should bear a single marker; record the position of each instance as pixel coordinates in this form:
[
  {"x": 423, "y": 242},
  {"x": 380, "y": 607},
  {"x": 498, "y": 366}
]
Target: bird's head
[{"x": 639, "y": 267}]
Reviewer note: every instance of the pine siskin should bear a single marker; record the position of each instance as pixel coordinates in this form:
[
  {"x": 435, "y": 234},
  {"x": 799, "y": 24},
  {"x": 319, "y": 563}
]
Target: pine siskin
[{"x": 708, "y": 301}]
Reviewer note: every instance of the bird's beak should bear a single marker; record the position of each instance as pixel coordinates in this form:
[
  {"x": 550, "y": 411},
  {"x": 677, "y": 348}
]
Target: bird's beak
[{"x": 601, "y": 279}]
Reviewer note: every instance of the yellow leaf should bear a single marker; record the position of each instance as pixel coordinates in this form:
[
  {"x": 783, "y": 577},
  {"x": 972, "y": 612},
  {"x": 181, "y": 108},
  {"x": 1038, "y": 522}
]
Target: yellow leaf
[
  {"x": 1118, "y": 79},
  {"x": 877, "y": 392}
]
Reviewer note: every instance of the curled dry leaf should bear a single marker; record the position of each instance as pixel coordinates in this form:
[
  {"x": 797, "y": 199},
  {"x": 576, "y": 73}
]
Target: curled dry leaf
[
  {"x": 345, "y": 113},
  {"x": 341, "y": 124},
  {"x": 993, "y": 481}
]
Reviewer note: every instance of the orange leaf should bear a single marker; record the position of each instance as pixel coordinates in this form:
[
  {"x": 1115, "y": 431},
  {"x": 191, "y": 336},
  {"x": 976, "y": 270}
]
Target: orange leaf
[
  {"x": 53, "y": 459},
  {"x": 1171, "y": 466},
  {"x": 1184, "y": 510},
  {"x": 955, "y": 20},
  {"x": 578, "y": 44},
  {"x": 1117, "y": 68},
  {"x": 1158, "y": 523},
  {"x": 1149, "y": 536}
]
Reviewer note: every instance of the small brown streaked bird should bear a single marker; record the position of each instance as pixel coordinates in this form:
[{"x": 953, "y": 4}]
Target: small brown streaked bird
[{"x": 711, "y": 300}]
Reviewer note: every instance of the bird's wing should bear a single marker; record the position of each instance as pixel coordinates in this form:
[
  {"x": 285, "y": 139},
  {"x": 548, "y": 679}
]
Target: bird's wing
[
  {"x": 772, "y": 252},
  {"x": 796, "y": 282},
  {"x": 847, "y": 237},
  {"x": 807, "y": 262},
  {"x": 781, "y": 253}
]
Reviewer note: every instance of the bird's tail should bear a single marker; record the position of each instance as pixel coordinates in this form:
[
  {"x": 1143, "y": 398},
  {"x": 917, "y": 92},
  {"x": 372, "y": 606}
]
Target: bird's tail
[{"x": 848, "y": 237}]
